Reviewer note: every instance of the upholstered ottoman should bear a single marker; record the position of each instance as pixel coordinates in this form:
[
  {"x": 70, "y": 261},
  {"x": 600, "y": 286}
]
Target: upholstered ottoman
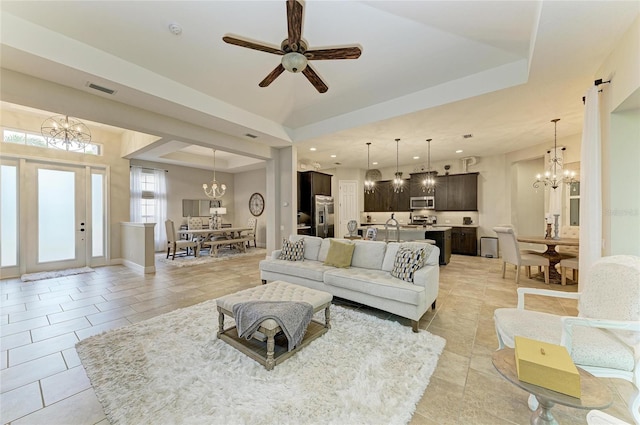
[{"x": 270, "y": 354}]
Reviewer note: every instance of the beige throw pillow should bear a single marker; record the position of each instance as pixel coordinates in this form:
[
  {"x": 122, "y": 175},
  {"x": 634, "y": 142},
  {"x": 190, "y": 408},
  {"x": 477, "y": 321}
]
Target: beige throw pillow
[{"x": 339, "y": 254}]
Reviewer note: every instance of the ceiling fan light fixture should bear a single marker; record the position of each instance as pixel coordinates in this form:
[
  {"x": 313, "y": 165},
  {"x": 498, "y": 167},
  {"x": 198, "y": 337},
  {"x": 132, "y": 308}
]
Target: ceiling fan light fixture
[{"x": 294, "y": 62}]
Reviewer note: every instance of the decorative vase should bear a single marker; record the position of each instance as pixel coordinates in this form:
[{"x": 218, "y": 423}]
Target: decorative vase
[{"x": 548, "y": 234}]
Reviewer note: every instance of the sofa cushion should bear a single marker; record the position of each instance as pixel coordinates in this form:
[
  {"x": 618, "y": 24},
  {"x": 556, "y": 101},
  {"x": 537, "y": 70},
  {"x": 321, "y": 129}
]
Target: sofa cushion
[
  {"x": 407, "y": 261},
  {"x": 368, "y": 254},
  {"x": 340, "y": 254},
  {"x": 324, "y": 247},
  {"x": 292, "y": 251},
  {"x": 374, "y": 282},
  {"x": 311, "y": 245},
  {"x": 313, "y": 270}
]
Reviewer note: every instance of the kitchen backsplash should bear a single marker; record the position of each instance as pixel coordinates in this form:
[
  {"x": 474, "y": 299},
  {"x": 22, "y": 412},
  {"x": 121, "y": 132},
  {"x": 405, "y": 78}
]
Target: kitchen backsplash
[{"x": 449, "y": 217}]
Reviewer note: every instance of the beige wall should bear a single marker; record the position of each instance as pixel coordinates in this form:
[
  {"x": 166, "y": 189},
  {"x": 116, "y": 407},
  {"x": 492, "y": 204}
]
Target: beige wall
[
  {"x": 245, "y": 185},
  {"x": 619, "y": 113}
]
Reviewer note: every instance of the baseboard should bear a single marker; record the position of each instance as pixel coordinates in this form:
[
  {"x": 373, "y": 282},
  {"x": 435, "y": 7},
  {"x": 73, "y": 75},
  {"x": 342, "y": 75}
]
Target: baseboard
[{"x": 137, "y": 267}]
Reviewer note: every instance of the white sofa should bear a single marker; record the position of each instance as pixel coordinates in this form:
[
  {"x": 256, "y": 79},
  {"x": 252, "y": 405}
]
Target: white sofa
[{"x": 367, "y": 281}]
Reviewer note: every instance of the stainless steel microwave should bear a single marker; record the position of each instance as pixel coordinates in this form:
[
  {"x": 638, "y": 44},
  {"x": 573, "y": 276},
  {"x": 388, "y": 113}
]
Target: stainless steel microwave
[{"x": 422, "y": 203}]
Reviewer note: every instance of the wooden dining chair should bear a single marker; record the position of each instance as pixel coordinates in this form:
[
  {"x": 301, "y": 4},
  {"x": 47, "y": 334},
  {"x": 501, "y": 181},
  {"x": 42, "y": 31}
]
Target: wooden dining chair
[
  {"x": 253, "y": 223},
  {"x": 511, "y": 254}
]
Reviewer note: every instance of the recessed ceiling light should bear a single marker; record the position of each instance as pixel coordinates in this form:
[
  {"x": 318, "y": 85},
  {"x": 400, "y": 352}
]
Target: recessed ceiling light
[
  {"x": 175, "y": 28},
  {"x": 459, "y": 151},
  {"x": 416, "y": 157},
  {"x": 312, "y": 149},
  {"x": 374, "y": 163},
  {"x": 333, "y": 156}
]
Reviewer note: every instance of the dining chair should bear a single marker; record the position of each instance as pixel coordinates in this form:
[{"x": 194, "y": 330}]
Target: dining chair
[
  {"x": 253, "y": 223},
  {"x": 569, "y": 232},
  {"x": 572, "y": 264},
  {"x": 511, "y": 254},
  {"x": 174, "y": 244},
  {"x": 604, "y": 337}
]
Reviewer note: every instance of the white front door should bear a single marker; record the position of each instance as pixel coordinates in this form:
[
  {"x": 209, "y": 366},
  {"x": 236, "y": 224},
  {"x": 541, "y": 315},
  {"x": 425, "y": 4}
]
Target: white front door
[
  {"x": 57, "y": 216},
  {"x": 348, "y": 193}
]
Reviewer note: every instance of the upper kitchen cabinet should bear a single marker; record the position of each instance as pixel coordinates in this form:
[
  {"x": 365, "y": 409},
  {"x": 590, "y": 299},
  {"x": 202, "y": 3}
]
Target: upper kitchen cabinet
[
  {"x": 415, "y": 183},
  {"x": 457, "y": 192},
  {"x": 384, "y": 199},
  {"x": 311, "y": 183}
]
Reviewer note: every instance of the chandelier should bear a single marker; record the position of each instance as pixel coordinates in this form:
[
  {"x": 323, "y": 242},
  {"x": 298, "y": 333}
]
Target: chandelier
[
  {"x": 217, "y": 190},
  {"x": 551, "y": 178},
  {"x": 429, "y": 183},
  {"x": 64, "y": 132},
  {"x": 398, "y": 183},
  {"x": 369, "y": 184}
]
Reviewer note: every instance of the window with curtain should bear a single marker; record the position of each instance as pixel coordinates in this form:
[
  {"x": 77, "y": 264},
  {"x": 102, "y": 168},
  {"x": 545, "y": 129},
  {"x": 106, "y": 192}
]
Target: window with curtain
[{"x": 149, "y": 201}]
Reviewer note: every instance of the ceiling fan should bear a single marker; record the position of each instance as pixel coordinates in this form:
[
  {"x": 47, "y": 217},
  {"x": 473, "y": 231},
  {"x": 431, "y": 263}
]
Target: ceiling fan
[{"x": 293, "y": 50}]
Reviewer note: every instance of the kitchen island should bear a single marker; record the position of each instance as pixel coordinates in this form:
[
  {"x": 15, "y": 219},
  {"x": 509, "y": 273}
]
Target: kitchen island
[{"x": 412, "y": 232}]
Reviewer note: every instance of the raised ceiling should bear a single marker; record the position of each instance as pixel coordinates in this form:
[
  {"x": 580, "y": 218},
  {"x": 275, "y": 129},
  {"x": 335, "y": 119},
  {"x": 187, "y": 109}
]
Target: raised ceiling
[{"x": 429, "y": 69}]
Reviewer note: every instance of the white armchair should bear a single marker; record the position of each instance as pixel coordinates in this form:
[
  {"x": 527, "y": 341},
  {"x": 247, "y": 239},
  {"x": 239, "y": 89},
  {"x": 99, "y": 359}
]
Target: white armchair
[{"x": 605, "y": 337}]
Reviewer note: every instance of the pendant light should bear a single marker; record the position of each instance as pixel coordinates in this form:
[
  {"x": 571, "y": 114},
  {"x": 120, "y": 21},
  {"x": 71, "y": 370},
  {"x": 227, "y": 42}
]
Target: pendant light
[
  {"x": 65, "y": 132},
  {"x": 429, "y": 183},
  {"x": 398, "y": 183},
  {"x": 369, "y": 184},
  {"x": 552, "y": 179},
  {"x": 217, "y": 190}
]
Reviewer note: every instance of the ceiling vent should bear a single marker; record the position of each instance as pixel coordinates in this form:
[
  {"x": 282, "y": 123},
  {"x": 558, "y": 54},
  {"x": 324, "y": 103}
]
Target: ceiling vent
[
  {"x": 252, "y": 136},
  {"x": 467, "y": 136},
  {"x": 100, "y": 88}
]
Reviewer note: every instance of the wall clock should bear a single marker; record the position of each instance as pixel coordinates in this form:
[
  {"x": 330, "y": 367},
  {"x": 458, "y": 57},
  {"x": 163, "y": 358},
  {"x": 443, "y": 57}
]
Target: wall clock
[{"x": 256, "y": 204}]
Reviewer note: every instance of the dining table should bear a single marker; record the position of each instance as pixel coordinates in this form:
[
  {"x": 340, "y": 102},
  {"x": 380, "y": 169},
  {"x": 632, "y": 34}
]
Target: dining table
[
  {"x": 206, "y": 234},
  {"x": 551, "y": 253}
]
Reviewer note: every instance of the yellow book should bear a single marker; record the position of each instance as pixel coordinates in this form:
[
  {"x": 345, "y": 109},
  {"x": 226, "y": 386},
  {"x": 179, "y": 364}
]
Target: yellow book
[{"x": 546, "y": 365}]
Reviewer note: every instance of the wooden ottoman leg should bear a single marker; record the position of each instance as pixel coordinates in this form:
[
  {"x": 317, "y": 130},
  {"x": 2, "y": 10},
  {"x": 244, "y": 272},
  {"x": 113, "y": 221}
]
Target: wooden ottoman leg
[
  {"x": 270, "y": 362},
  {"x": 220, "y": 322},
  {"x": 327, "y": 317}
]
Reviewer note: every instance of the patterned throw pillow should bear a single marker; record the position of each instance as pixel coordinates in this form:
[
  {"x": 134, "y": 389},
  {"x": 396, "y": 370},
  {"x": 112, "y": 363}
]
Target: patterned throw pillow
[
  {"x": 292, "y": 251},
  {"x": 406, "y": 263}
]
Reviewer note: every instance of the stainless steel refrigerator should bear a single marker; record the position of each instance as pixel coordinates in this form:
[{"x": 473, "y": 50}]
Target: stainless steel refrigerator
[{"x": 323, "y": 216}]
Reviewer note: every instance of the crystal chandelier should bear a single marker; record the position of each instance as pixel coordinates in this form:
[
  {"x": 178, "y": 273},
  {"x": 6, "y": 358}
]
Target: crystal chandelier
[
  {"x": 217, "y": 190},
  {"x": 551, "y": 178},
  {"x": 64, "y": 132},
  {"x": 429, "y": 183},
  {"x": 369, "y": 184},
  {"x": 398, "y": 183}
]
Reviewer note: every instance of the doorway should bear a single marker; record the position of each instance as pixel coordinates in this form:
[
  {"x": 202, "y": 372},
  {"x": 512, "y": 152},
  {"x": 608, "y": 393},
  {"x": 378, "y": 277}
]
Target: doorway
[
  {"x": 61, "y": 219},
  {"x": 348, "y": 209}
]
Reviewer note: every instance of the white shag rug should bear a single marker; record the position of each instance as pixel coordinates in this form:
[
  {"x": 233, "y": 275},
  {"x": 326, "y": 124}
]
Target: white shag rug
[
  {"x": 55, "y": 273},
  {"x": 172, "y": 369},
  {"x": 224, "y": 254}
]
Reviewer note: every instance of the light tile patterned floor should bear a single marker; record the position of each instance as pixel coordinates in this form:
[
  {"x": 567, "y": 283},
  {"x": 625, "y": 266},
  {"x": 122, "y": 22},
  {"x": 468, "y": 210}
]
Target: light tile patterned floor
[{"x": 43, "y": 382}]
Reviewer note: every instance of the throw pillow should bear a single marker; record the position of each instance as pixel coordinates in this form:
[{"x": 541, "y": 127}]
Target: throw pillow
[
  {"x": 406, "y": 263},
  {"x": 339, "y": 254},
  {"x": 292, "y": 251}
]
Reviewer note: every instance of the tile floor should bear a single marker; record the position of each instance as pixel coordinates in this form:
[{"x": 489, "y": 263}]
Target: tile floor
[{"x": 43, "y": 382}]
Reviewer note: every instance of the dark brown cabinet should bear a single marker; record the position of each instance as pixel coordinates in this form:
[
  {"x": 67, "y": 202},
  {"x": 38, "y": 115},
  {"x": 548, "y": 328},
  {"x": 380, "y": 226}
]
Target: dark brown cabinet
[
  {"x": 384, "y": 199},
  {"x": 415, "y": 183},
  {"x": 443, "y": 241},
  {"x": 464, "y": 240},
  {"x": 457, "y": 192},
  {"x": 311, "y": 183}
]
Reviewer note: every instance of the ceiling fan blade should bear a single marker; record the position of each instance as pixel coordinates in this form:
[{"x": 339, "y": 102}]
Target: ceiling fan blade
[
  {"x": 294, "y": 23},
  {"x": 272, "y": 76},
  {"x": 340, "y": 53},
  {"x": 252, "y": 45},
  {"x": 315, "y": 79}
]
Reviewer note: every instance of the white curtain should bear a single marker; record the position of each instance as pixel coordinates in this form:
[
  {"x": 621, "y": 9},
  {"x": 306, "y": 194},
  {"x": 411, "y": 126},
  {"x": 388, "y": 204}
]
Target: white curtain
[
  {"x": 160, "y": 197},
  {"x": 135, "y": 208},
  {"x": 590, "y": 187}
]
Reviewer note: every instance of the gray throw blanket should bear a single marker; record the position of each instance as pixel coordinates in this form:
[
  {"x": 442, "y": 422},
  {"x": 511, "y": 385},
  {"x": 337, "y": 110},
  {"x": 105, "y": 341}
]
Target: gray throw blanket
[{"x": 292, "y": 316}]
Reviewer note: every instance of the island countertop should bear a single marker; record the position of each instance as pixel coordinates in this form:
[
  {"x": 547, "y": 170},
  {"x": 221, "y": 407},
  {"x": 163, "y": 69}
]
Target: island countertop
[{"x": 409, "y": 227}]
